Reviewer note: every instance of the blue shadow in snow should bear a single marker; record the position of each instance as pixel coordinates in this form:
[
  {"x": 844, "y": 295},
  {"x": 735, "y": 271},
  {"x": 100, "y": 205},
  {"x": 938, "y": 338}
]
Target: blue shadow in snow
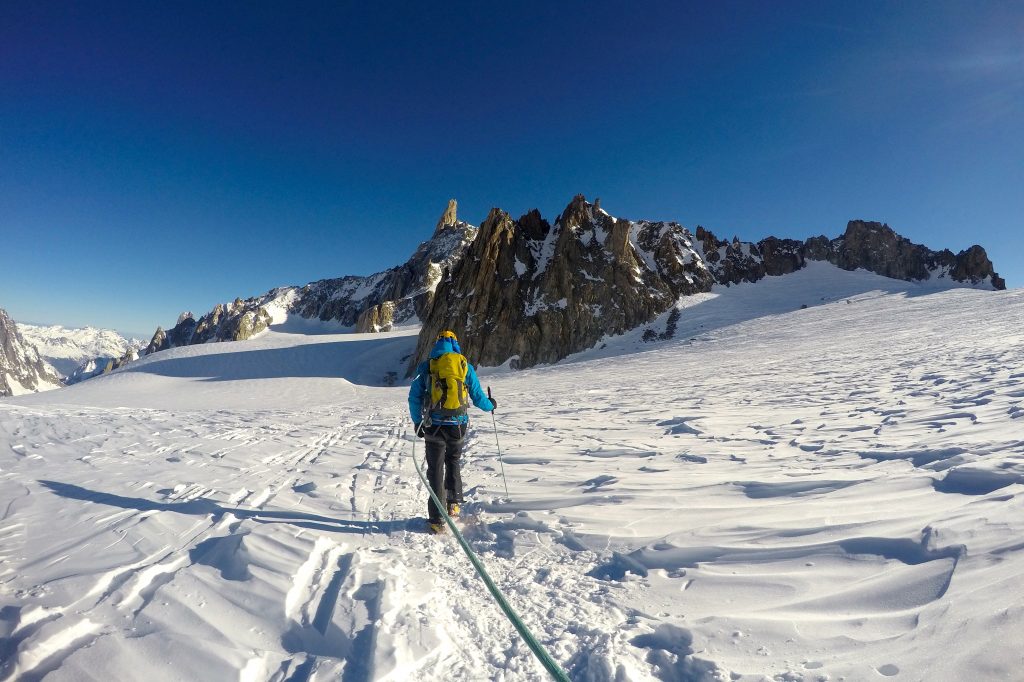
[
  {"x": 364, "y": 362},
  {"x": 203, "y": 507}
]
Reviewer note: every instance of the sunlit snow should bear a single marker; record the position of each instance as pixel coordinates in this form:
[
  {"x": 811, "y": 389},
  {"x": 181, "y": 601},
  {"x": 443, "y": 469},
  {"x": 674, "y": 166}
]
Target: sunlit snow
[{"x": 779, "y": 492}]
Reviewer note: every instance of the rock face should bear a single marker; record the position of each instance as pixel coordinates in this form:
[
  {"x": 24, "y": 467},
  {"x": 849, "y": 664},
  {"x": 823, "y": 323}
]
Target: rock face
[
  {"x": 870, "y": 246},
  {"x": 22, "y": 370},
  {"x": 535, "y": 292},
  {"x": 877, "y": 248},
  {"x": 396, "y": 296},
  {"x": 532, "y": 293},
  {"x": 367, "y": 304},
  {"x": 528, "y": 291},
  {"x": 235, "y": 321}
]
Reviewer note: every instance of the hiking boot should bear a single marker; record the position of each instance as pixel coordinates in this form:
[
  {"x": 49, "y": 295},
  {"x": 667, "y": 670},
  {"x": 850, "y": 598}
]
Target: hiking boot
[
  {"x": 435, "y": 527},
  {"x": 453, "y": 509}
]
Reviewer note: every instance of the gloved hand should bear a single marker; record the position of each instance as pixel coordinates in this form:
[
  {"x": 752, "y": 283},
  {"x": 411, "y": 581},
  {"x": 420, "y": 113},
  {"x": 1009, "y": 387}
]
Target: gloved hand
[
  {"x": 419, "y": 429},
  {"x": 494, "y": 401}
]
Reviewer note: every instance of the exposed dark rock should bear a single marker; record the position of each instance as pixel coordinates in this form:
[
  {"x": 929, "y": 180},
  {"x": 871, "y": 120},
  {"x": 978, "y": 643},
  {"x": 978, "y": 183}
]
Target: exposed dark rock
[
  {"x": 535, "y": 292},
  {"x": 158, "y": 342},
  {"x": 531, "y": 293},
  {"x": 22, "y": 370},
  {"x": 240, "y": 327},
  {"x": 450, "y": 216},
  {"x": 377, "y": 318},
  {"x": 528, "y": 291},
  {"x": 407, "y": 290},
  {"x": 973, "y": 265},
  {"x": 671, "y": 324},
  {"x": 818, "y": 248},
  {"x": 235, "y": 321},
  {"x": 781, "y": 256},
  {"x": 877, "y": 248},
  {"x": 730, "y": 262}
]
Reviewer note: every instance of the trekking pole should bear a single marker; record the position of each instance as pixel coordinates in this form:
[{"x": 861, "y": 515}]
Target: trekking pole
[{"x": 495, "y": 424}]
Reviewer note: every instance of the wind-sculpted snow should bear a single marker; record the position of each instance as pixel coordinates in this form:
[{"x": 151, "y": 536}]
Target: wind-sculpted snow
[{"x": 777, "y": 493}]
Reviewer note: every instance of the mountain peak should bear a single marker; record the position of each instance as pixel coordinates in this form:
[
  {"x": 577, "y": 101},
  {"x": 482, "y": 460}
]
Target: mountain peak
[
  {"x": 533, "y": 293},
  {"x": 577, "y": 213},
  {"x": 449, "y": 217}
]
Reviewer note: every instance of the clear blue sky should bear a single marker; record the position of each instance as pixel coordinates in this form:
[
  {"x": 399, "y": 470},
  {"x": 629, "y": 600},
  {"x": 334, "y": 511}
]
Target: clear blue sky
[{"x": 163, "y": 156}]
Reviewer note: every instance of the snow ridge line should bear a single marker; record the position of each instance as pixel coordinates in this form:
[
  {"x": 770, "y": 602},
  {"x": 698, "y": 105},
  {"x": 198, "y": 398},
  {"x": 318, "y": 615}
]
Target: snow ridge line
[{"x": 538, "y": 650}]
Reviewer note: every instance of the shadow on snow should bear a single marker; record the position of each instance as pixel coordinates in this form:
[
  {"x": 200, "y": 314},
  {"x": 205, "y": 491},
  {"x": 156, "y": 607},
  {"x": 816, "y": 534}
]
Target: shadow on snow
[
  {"x": 203, "y": 507},
  {"x": 365, "y": 362}
]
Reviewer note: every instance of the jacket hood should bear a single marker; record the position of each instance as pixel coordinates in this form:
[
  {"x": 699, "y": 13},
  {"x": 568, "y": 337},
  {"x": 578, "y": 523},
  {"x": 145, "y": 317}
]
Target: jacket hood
[{"x": 445, "y": 346}]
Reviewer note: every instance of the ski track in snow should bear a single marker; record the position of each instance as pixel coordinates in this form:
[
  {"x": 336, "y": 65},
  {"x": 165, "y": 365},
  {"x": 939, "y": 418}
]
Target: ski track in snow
[{"x": 821, "y": 494}]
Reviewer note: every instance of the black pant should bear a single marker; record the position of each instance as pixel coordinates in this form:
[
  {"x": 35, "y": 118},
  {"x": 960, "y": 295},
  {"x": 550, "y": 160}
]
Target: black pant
[{"x": 444, "y": 453}]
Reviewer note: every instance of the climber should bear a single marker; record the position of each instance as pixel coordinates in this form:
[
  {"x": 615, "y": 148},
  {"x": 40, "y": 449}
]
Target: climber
[{"x": 438, "y": 402}]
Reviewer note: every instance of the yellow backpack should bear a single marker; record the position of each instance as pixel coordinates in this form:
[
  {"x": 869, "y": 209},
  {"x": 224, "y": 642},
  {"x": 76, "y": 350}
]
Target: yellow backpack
[{"x": 448, "y": 394}]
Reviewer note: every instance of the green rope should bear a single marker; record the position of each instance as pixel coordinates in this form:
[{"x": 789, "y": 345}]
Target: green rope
[{"x": 543, "y": 656}]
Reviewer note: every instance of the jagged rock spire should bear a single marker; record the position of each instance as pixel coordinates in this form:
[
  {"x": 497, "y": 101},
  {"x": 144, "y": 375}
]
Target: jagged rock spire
[
  {"x": 531, "y": 292},
  {"x": 449, "y": 217}
]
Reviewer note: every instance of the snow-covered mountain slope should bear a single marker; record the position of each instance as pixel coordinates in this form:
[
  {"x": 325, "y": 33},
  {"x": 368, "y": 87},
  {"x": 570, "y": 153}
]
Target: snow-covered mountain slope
[
  {"x": 67, "y": 349},
  {"x": 380, "y": 302},
  {"x": 22, "y": 370},
  {"x": 774, "y": 492}
]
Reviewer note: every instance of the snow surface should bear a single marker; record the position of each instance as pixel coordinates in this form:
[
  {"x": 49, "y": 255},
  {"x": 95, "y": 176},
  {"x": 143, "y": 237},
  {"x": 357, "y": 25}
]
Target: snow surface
[{"x": 777, "y": 493}]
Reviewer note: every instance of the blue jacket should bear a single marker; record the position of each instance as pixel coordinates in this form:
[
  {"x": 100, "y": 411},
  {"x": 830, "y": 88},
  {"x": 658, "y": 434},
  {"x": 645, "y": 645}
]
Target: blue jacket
[{"x": 421, "y": 385}]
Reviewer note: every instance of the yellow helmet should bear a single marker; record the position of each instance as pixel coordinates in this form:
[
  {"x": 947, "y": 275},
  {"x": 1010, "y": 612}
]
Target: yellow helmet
[{"x": 447, "y": 334}]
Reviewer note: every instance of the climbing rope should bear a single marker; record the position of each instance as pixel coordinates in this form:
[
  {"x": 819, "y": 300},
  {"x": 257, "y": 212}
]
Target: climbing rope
[{"x": 542, "y": 655}]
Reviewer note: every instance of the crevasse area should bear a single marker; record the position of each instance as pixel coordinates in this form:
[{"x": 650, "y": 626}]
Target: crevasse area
[{"x": 820, "y": 493}]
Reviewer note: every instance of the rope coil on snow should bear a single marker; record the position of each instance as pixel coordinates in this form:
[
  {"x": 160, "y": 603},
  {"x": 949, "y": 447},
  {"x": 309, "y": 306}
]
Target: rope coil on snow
[{"x": 542, "y": 655}]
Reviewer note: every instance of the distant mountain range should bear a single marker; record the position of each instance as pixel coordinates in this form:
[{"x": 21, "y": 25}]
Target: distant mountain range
[
  {"x": 529, "y": 291},
  {"x": 35, "y": 357},
  {"x": 70, "y": 349},
  {"x": 523, "y": 291}
]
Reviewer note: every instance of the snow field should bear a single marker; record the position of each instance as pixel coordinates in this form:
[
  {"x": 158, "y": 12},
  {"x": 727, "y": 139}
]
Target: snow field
[{"x": 776, "y": 493}]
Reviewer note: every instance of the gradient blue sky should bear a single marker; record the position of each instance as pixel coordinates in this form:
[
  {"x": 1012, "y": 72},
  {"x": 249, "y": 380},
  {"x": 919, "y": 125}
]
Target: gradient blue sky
[{"x": 157, "y": 156}]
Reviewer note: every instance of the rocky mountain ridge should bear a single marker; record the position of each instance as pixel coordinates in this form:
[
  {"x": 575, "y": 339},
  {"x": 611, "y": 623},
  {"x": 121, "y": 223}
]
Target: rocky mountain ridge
[
  {"x": 22, "y": 370},
  {"x": 527, "y": 291},
  {"x": 373, "y": 303},
  {"x": 530, "y": 292},
  {"x": 871, "y": 246}
]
